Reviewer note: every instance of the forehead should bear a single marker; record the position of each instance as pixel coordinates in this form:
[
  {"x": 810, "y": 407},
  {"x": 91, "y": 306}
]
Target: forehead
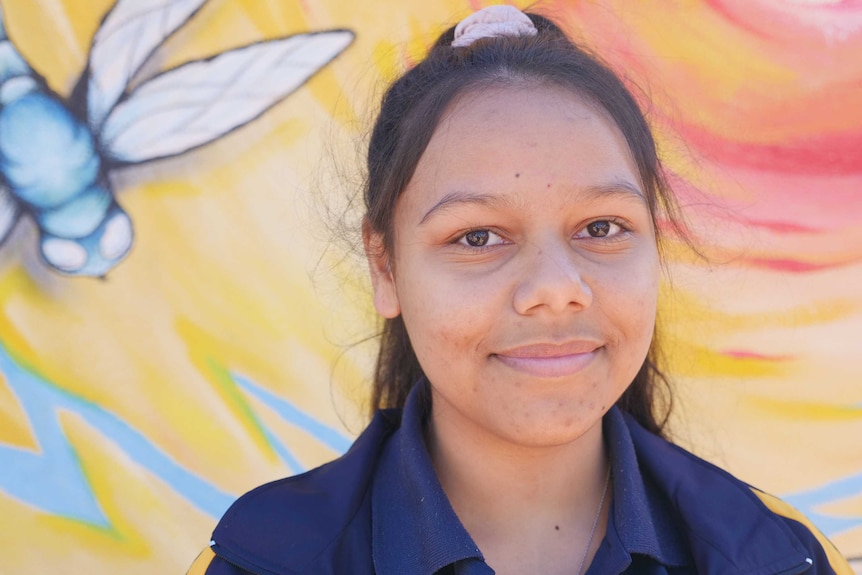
[
  {"x": 507, "y": 139},
  {"x": 516, "y": 96}
]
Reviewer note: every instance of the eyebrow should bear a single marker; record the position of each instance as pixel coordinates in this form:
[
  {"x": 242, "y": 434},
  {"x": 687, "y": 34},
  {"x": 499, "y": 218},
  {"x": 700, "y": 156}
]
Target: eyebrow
[
  {"x": 619, "y": 189},
  {"x": 459, "y": 198}
]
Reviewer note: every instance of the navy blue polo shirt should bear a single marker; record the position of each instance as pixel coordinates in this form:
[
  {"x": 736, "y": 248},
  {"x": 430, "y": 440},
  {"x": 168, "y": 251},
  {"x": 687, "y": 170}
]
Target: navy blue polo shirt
[
  {"x": 380, "y": 510},
  {"x": 415, "y": 530}
]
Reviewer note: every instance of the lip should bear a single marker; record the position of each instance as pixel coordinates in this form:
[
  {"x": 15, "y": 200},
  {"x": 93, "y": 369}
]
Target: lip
[{"x": 550, "y": 359}]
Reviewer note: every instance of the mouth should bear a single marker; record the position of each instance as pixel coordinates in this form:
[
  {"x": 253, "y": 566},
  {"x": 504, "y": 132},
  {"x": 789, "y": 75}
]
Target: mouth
[{"x": 550, "y": 360}]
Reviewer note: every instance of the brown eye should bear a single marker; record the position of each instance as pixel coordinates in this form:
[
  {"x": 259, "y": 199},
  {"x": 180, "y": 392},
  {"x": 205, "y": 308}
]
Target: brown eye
[
  {"x": 481, "y": 238},
  {"x": 477, "y": 238},
  {"x": 599, "y": 229}
]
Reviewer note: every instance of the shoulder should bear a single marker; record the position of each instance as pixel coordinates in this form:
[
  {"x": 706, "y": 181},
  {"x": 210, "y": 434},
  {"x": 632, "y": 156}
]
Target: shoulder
[
  {"x": 293, "y": 520},
  {"x": 805, "y": 530},
  {"x": 728, "y": 521}
]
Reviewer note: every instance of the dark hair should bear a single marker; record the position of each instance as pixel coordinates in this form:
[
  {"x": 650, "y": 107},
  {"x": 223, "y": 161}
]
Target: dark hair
[{"x": 409, "y": 113}]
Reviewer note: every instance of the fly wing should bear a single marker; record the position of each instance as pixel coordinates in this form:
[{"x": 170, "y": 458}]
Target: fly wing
[
  {"x": 199, "y": 102},
  {"x": 10, "y": 211},
  {"x": 128, "y": 36}
]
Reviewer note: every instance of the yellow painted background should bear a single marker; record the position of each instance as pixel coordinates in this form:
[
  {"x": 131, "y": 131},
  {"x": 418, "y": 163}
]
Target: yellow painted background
[{"x": 236, "y": 273}]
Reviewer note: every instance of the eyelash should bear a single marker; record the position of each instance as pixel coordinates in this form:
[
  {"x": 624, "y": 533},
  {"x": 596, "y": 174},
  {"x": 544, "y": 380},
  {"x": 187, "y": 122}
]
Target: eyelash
[{"x": 622, "y": 225}]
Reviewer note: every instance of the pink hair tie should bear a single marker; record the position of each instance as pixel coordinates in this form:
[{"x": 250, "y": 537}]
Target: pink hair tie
[{"x": 491, "y": 22}]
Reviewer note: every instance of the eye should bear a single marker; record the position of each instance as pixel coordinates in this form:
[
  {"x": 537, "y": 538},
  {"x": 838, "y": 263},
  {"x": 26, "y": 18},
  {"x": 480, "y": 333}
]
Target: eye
[
  {"x": 600, "y": 229},
  {"x": 480, "y": 238}
]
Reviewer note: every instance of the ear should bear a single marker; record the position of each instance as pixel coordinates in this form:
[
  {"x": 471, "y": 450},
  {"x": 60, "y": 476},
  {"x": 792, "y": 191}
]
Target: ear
[{"x": 382, "y": 279}]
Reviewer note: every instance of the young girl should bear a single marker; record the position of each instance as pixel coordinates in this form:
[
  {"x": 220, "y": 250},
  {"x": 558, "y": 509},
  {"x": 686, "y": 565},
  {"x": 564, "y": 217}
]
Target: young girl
[{"x": 512, "y": 197}]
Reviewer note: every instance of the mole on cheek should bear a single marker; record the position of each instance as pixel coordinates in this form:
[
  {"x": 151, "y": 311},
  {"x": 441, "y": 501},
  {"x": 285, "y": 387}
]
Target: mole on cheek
[{"x": 517, "y": 174}]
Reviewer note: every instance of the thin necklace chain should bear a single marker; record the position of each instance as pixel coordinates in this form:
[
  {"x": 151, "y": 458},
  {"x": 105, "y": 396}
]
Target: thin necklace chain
[{"x": 595, "y": 522}]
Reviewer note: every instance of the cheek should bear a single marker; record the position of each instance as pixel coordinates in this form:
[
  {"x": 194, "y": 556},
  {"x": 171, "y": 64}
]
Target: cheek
[
  {"x": 630, "y": 299},
  {"x": 442, "y": 315}
]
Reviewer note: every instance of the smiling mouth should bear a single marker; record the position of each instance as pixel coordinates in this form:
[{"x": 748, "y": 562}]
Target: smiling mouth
[{"x": 550, "y": 360}]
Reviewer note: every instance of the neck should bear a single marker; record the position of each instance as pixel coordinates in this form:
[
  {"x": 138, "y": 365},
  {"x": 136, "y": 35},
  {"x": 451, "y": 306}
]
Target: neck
[{"x": 512, "y": 496}]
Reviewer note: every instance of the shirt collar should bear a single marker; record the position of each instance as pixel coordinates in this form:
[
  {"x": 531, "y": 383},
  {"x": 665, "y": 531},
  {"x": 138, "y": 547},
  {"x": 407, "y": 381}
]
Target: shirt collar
[
  {"x": 642, "y": 517},
  {"x": 415, "y": 529}
]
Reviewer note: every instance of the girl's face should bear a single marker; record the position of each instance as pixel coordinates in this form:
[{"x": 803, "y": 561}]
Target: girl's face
[{"x": 524, "y": 264}]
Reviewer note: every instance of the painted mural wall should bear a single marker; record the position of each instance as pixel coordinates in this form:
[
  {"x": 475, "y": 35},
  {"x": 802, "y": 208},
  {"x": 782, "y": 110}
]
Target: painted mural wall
[{"x": 179, "y": 317}]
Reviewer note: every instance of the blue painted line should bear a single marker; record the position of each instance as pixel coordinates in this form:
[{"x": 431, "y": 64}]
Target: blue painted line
[
  {"x": 52, "y": 480},
  {"x": 808, "y": 501},
  {"x": 327, "y": 435},
  {"x": 283, "y": 452}
]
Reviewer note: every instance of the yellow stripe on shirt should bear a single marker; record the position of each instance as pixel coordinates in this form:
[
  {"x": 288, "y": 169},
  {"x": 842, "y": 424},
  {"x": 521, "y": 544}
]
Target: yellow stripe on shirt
[
  {"x": 836, "y": 560},
  {"x": 199, "y": 567}
]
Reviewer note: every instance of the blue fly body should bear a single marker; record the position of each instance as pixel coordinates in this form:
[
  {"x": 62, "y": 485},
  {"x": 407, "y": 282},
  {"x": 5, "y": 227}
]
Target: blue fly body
[
  {"x": 50, "y": 165},
  {"x": 55, "y": 164}
]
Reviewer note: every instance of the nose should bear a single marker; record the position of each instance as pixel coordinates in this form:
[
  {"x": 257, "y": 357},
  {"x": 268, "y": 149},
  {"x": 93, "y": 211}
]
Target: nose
[{"x": 552, "y": 280}]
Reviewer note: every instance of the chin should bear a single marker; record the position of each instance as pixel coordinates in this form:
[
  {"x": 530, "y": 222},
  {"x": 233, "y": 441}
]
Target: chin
[{"x": 545, "y": 430}]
